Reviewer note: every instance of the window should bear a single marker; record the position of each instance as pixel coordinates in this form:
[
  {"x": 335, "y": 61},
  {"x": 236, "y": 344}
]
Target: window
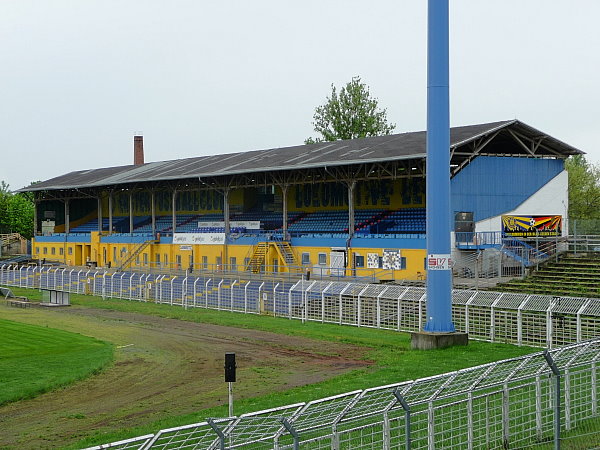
[
  {"x": 145, "y": 259},
  {"x": 359, "y": 260},
  {"x": 70, "y": 250},
  {"x": 275, "y": 265},
  {"x": 45, "y": 250},
  {"x": 166, "y": 260},
  {"x": 305, "y": 259},
  {"x": 246, "y": 262},
  {"x": 178, "y": 260},
  {"x": 37, "y": 250},
  {"x": 61, "y": 251},
  {"x": 158, "y": 258},
  {"x": 219, "y": 262},
  {"x": 205, "y": 262},
  {"x": 322, "y": 259},
  {"x": 114, "y": 253},
  {"x": 403, "y": 263},
  {"x": 233, "y": 263}
]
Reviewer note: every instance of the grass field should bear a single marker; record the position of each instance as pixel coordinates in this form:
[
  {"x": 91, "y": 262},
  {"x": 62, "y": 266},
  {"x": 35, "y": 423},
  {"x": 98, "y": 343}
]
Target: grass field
[
  {"x": 34, "y": 359},
  {"x": 313, "y": 360}
]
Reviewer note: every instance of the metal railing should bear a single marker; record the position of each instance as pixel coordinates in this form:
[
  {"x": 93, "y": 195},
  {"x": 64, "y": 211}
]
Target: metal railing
[
  {"x": 522, "y": 319},
  {"x": 541, "y": 399},
  {"x": 510, "y": 403}
]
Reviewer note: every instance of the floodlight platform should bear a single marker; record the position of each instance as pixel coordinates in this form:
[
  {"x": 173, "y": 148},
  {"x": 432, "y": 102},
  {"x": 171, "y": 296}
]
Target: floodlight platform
[{"x": 423, "y": 340}]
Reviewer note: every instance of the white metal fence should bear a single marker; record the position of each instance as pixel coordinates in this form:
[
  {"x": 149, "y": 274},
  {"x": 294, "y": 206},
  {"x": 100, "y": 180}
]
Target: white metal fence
[
  {"x": 533, "y": 400},
  {"x": 509, "y": 403},
  {"x": 522, "y": 319}
]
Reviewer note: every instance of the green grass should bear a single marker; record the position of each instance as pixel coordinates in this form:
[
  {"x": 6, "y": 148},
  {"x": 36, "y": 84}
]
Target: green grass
[
  {"x": 34, "y": 359},
  {"x": 389, "y": 353}
]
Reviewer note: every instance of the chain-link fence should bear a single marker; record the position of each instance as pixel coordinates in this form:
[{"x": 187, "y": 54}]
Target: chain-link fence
[
  {"x": 539, "y": 400},
  {"x": 522, "y": 319}
]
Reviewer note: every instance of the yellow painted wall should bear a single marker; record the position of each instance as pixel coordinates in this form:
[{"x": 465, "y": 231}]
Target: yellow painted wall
[{"x": 217, "y": 256}]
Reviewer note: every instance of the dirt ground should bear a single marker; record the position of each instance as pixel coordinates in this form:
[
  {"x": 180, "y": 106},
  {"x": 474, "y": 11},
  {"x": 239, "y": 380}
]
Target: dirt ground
[{"x": 163, "y": 368}]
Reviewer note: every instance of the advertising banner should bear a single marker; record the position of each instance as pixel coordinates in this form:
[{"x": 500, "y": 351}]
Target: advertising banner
[
  {"x": 199, "y": 238},
  {"x": 249, "y": 225},
  {"x": 532, "y": 226}
]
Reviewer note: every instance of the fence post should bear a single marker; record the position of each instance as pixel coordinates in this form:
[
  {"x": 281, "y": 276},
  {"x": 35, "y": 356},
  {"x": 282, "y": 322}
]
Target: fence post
[
  {"x": 557, "y": 406},
  {"x": 430, "y": 426},
  {"x": 567, "y": 405},
  {"x": 290, "y": 428},
  {"x": 206, "y": 292},
  {"x": 219, "y": 294},
  {"x": 406, "y": 408},
  {"x": 538, "y": 407},
  {"x": 246, "y": 297},
  {"x": 386, "y": 431},
  {"x": 505, "y": 417},
  {"x": 594, "y": 390},
  {"x": 470, "y": 421},
  {"x": 216, "y": 429}
]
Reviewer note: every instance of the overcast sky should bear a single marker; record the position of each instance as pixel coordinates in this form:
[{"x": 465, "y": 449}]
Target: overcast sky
[{"x": 79, "y": 78}]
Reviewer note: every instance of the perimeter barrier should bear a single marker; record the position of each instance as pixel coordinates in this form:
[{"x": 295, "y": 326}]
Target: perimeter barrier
[
  {"x": 536, "y": 401},
  {"x": 523, "y": 319}
]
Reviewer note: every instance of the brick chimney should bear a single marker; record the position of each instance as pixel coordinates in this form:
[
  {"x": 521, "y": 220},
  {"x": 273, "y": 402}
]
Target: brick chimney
[{"x": 138, "y": 150}]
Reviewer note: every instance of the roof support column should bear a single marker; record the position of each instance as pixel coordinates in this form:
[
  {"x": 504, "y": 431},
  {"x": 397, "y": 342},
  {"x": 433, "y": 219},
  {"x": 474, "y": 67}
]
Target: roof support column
[
  {"x": 130, "y": 214},
  {"x": 110, "y": 212},
  {"x": 35, "y": 214},
  {"x": 227, "y": 226},
  {"x": 174, "y": 210},
  {"x": 284, "y": 192},
  {"x": 439, "y": 275},
  {"x": 351, "y": 186},
  {"x": 153, "y": 213},
  {"x": 100, "y": 213},
  {"x": 67, "y": 218},
  {"x": 226, "y": 211}
]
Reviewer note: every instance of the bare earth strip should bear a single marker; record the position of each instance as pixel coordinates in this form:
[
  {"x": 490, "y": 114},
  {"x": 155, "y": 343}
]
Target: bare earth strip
[{"x": 163, "y": 367}]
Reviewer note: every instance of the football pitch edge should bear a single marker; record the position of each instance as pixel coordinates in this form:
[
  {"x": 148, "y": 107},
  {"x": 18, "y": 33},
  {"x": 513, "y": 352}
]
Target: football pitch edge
[{"x": 168, "y": 368}]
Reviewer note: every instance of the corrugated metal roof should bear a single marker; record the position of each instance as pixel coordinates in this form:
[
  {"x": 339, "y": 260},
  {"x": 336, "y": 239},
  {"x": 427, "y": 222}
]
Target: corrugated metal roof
[{"x": 355, "y": 151}]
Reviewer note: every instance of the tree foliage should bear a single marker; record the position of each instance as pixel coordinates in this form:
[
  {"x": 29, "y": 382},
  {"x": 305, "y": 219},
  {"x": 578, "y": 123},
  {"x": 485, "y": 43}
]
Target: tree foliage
[
  {"x": 584, "y": 188},
  {"x": 352, "y": 113},
  {"x": 16, "y": 212}
]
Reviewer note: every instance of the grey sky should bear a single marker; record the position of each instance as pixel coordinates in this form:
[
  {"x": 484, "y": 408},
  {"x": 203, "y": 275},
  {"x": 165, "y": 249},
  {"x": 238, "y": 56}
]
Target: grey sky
[{"x": 79, "y": 78}]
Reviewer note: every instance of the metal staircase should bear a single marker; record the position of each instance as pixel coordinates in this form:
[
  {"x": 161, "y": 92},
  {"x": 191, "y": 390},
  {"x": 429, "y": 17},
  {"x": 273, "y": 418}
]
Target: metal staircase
[
  {"x": 287, "y": 254},
  {"x": 259, "y": 255},
  {"x": 137, "y": 250},
  {"x": 260, "y": 251}
]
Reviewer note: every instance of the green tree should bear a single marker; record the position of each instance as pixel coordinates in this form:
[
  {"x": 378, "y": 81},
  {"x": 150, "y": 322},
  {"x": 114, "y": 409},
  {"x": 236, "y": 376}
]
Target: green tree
[
  {"x": 584, "y": 188},
  {"x": 352, "y": 113},
  {"x": 16, "y": 212}
]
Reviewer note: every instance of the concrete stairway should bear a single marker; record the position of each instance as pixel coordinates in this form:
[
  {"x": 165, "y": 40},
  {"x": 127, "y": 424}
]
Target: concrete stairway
[{"x": 576, "y": 275}]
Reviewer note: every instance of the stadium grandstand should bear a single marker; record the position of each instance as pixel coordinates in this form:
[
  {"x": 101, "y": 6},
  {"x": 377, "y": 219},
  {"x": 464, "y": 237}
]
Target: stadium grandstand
[{"x": 344, "y": 208}]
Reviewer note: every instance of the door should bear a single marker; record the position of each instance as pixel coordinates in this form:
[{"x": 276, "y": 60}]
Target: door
[{"x": 337, "y": 263}]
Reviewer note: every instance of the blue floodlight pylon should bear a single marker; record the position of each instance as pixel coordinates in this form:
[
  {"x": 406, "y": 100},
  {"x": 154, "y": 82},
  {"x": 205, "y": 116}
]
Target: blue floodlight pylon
[{"x": 439, "y": 275}]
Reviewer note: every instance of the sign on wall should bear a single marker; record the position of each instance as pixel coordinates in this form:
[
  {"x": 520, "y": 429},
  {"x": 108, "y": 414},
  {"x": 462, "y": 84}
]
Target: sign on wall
[
  {"x": 199, "y": 238},
  {"x": 532, "y": 226},
  {"x": 248, "y": 224},
  {"x": 439, "y": 262},
  {"x": 373, "y": 260},
  {"x": 392, "y": 259}
]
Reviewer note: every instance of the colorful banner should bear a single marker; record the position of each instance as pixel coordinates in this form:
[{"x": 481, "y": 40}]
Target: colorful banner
[{"x": 532, "y": 226}]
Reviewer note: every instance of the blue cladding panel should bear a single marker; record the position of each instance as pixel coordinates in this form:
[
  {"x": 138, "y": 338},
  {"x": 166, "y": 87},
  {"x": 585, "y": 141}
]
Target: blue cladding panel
[{"x": 491, "y": 186}]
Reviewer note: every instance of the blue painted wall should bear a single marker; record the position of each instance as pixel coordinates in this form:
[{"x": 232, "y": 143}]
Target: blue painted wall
[{"x": 490, "y": 186}]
